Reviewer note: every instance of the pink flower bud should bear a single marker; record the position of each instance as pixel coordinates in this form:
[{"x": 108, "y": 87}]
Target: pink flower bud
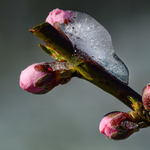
[
  {"x": 38, "y": 78},
  {"x": 146, "y": 97},
  {"x": 118, "y": 125},
  {"x": 58, "y": 15}
]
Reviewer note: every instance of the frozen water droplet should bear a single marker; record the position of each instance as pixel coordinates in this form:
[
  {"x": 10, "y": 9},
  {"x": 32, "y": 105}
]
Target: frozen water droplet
[
  {"x": 129, "y": 125},
  {"x": 90, "y": 37},
  {"x": 60, "y": 66}
]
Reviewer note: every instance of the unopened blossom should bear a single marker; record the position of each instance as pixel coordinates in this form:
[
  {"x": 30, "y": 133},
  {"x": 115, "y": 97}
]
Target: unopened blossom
[
  {"x": 39, "y": 78},
  {"x": 118, "y": 125},
  {"x": 146, "y": 97},
  {"x": 58, "y": 15}
]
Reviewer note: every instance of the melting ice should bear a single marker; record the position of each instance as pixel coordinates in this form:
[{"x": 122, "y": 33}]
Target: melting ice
[{"x": 89, "y": 36}]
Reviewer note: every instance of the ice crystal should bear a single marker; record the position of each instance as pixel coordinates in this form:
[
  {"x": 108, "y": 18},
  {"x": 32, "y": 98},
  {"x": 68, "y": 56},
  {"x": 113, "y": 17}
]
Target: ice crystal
[{"x": 90, "y": 37}]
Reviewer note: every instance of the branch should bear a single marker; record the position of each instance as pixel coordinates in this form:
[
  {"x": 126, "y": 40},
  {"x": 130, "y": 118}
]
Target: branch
[{"x": 87, "y": 67}]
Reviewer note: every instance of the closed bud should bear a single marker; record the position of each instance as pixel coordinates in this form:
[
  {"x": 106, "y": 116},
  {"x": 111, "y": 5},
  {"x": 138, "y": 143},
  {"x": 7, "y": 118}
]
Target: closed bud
[
  {"x": 146, "y": 97},
  {"x": 118, "y": 125},
  {"x": 40, "y": 78},
  {"x": 60, "y": 16}
]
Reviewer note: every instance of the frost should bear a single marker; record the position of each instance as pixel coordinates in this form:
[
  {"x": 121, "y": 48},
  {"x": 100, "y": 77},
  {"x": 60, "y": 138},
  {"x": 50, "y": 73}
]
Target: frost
[
  {"x": 129, "y": 125},
  {"x": 60, "y": 66},
  {"x": 89, "y": 36}
]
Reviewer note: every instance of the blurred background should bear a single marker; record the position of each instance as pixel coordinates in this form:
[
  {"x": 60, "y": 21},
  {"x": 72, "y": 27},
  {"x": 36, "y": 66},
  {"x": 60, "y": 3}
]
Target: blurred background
[{"x": 68, "y": 117}]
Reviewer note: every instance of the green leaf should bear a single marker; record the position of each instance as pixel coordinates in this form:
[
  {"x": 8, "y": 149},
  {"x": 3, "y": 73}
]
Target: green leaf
[{"x": 52, "y": 53}]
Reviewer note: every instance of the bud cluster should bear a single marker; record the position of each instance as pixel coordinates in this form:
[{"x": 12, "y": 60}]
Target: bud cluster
[
  {"x": 120, "y": 125},
  {"x": 40, "y": 78}
]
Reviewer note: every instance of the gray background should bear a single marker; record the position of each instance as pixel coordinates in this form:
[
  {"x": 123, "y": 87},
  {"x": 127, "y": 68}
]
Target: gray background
[{"x": 68, "y": 117}]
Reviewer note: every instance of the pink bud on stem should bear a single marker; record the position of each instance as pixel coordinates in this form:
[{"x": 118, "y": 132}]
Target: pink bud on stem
[
  {"x": 60, "y": 16},
  {"x": 118, "y": 125},
  {"x": 146, "y": 97},
  {"x": 40, "y": 78}
]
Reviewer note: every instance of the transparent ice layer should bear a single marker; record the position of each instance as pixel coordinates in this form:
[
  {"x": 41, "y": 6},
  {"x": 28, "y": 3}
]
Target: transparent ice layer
[{"x": 90, "y": 37}]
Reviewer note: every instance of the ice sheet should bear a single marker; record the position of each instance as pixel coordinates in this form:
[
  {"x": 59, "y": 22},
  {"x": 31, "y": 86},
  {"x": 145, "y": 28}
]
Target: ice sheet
[{"x": 90, "y": 37}]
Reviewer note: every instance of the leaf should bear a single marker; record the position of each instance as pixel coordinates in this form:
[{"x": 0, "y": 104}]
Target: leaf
[{"x": 52, "y": 53}]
